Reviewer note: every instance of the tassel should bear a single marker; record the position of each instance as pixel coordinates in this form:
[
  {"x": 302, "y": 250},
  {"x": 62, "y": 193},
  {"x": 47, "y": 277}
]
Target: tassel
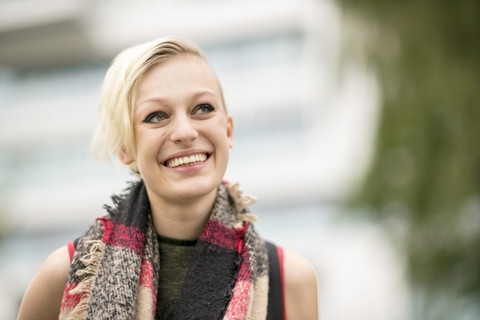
[
  {"x": 84, "y": 288},
  {"x": 242, "y": 201}
]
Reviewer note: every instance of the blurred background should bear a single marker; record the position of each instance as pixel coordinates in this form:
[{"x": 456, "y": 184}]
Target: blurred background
[{"x": 356, "y": 125}]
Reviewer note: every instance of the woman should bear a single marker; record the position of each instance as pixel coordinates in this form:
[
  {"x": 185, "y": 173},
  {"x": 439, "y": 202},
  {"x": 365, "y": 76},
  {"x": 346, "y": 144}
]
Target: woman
[{"x": 180, "y": 243}]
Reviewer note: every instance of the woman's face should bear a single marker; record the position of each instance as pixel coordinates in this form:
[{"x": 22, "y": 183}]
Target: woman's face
[{"x": 182, "y": 132}]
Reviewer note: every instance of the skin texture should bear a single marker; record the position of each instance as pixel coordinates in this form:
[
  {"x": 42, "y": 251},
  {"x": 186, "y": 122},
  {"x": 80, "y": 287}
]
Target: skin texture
[
  {"x": 301, "y": 300},
  {"x": 178, "y": 111},
  {"x": 43, "y": 296}
]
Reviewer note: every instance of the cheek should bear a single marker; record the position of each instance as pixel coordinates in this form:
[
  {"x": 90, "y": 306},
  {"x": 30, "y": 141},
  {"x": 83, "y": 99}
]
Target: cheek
[
  {"x": 146, "y": 147},
  {"x": 221, "y": 140},
  {"x": 224, "y": 144},
  {"x": 221, "y": 130}
]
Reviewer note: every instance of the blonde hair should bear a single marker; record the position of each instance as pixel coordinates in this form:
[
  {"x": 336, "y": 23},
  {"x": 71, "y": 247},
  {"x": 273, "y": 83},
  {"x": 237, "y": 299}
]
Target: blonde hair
[{"x": 115, "y": 134}]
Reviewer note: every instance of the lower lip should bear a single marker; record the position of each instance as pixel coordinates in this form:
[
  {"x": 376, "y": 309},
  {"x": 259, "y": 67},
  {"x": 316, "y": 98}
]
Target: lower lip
[{"x": 191, "y": 169}]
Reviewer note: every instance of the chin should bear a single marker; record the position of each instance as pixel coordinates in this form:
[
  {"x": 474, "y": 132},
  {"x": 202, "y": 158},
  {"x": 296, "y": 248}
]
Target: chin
[
  {"x": 199, "y": 189},
  {"x": 194, "y": 188}
]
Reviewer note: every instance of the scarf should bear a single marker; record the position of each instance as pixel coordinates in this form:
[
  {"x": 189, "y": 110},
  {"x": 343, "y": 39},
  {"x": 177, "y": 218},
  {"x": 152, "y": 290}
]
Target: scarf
[{"x": 115, "y": 269}]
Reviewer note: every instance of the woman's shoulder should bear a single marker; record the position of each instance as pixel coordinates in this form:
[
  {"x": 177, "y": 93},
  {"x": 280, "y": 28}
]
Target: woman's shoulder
[
  {"x": 57, "y": 262},
  {"x": 43, "y": 296},
  {"x": 301, "y": 300}
]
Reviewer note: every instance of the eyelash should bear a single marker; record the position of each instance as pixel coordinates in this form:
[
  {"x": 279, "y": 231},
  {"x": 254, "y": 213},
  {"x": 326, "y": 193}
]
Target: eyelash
[
  {"x": 204, "y": 108},
  {"x": 150, "y": 117}
]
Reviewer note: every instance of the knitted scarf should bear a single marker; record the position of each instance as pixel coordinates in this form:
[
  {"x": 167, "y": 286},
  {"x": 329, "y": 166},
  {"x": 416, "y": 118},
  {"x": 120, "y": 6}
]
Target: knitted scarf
[{"x": 114, "y": 272}]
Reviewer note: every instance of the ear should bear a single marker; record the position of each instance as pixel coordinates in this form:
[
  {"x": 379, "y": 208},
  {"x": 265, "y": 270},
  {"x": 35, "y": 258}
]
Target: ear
[
  {"x": 125, "y": 157},
  {"x": 230, "y": 131}
]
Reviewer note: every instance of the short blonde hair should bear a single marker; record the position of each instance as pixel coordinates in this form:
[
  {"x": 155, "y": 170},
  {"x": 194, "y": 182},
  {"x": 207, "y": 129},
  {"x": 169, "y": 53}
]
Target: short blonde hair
[{"x": 115, "y": 134}]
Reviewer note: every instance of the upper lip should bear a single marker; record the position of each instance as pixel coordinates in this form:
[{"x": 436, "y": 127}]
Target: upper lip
[{"x": 186, "y": 153}]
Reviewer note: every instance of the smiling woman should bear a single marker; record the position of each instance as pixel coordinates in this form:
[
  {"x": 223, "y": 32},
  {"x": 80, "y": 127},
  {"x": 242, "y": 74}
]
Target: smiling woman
[
  {"x": 178, "y": 114},
  {"x": 180, "y": 243}
]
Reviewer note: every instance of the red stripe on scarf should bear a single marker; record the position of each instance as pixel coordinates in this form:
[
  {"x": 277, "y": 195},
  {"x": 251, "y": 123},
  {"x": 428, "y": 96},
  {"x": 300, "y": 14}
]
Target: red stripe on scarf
[
  {"x": 69, "y": 301},
  {"x": 220, "y": 235},
  {"x": 146, "y": 279},
  {"x": 245, "y": 271},
  {"x": 118, "y": 235},
  {"x": 146, "y": 275},
  {"x": 238, "y": 306}
]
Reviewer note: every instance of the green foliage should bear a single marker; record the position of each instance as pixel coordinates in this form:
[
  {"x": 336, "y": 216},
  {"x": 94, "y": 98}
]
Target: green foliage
[{"x": 426, "y": 170}]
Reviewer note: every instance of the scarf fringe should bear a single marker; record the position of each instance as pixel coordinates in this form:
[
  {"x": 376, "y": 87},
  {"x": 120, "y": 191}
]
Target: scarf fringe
[
  {"x": 242, "y": 201},
  {"x": 92, "y": 262},
  {"x": 249, "y": 217}
]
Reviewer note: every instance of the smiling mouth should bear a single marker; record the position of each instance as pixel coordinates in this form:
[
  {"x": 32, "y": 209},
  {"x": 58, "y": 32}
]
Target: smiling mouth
[{"x": 186, "y": 161}]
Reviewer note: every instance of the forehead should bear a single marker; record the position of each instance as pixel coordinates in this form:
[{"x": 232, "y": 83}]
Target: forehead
[{"x": 178, "y": 75}]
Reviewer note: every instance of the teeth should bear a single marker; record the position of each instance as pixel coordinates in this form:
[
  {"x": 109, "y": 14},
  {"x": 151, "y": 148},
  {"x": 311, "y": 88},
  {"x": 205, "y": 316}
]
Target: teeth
[{"x": 187, "y": 161}]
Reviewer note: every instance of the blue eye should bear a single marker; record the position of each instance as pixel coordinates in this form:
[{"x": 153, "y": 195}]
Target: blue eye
[
  {"x": 203, "y": 108},
  {"x": 155, "y": 117}
]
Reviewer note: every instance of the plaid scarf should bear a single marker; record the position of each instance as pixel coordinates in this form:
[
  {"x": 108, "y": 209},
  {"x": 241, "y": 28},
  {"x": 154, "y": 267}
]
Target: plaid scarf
[{"x": 114, "y": 272}]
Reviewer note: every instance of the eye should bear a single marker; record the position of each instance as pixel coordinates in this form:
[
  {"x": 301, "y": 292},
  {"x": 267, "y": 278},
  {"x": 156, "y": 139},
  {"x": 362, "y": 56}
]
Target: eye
[
  {"x": 155, "y": 117},
  {"x": 203, "y": 108}
]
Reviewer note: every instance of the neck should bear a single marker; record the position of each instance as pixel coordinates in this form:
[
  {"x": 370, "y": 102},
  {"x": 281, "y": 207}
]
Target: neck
[{"x": 181, "y": 219}]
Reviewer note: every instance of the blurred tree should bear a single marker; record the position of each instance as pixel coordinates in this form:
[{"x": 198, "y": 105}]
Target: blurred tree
[{"x": 425, "y": 175}]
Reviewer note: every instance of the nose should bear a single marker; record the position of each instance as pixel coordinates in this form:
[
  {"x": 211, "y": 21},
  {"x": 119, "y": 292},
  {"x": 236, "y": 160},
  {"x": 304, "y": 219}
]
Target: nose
[{"x": 183, "y": 130}]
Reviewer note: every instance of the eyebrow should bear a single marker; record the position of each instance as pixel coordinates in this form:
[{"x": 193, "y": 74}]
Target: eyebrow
[{"x": 161, "y": 99}]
